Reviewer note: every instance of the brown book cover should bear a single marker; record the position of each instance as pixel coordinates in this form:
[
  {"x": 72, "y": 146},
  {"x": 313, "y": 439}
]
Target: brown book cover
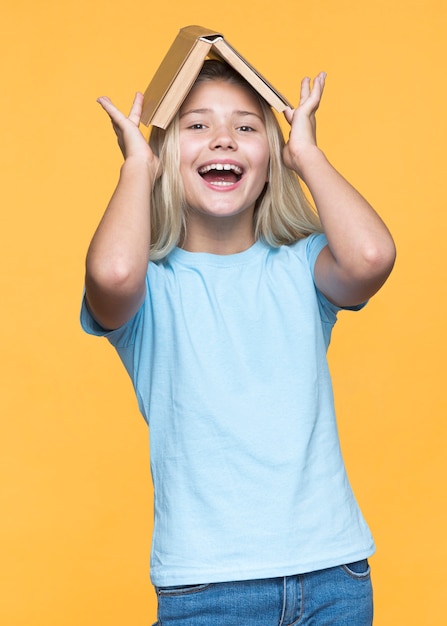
[{"x": 181, "y": 66}]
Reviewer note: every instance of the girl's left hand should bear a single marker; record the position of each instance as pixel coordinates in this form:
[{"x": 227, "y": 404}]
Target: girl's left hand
[{"x": 303, "y": 123}]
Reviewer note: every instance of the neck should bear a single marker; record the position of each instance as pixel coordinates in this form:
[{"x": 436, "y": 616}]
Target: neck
[{"x": 218, "y": 236}]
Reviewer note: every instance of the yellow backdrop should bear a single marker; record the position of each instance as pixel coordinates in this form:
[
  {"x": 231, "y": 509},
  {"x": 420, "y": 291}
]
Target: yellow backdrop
[{"x": 76, "y": 519}]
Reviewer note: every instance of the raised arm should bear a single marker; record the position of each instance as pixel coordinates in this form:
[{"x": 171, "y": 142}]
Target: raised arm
[
  {"x": 360, "y": 252},
  {"x": 118, "y": 255}
]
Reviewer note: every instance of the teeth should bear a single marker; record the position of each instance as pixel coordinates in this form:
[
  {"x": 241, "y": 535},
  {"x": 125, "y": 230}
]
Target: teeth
[{"x": 221, "y": 166}]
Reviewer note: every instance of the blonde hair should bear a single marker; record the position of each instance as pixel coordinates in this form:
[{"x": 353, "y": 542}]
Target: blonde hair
[{"x": 282, "y": 215}]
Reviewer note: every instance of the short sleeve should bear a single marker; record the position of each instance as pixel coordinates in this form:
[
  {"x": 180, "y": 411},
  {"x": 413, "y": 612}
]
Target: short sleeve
[
  {"x": 314, "y": 245},
  {"x": 120, "y": 338},
  {"x": 328, "y": 311}
]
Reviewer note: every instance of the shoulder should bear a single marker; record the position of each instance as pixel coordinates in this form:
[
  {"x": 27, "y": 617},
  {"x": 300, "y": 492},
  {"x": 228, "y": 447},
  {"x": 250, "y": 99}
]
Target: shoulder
[
  {"x": 310, "y": 247},
  {"x": 305, "y": 251}
]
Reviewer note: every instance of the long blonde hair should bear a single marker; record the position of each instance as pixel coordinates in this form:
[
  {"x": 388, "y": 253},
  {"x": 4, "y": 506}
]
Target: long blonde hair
[{"x": 282, "y": 214}]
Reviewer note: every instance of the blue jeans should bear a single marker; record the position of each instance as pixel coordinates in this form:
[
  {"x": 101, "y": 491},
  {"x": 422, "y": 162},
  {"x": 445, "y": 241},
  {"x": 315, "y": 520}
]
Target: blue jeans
[{"x": 337, "y": 596}]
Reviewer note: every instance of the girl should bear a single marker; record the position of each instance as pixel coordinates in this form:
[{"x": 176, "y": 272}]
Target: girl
[{"x": 219, "y": 286}]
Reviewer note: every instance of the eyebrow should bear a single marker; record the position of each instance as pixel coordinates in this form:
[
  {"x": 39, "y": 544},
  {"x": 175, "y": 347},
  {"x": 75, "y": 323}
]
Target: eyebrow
[{"x": 205, "y": 111}]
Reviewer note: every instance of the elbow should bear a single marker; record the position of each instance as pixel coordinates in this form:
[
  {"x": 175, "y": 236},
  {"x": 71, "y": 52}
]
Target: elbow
[
  {"x": 114, "y": 277},
  {"x": 378, "y": 259}
]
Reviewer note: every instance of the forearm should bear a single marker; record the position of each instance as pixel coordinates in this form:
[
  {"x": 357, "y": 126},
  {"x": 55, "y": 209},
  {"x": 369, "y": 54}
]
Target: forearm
[
  {"x": 118, "y": 255},
  {"x": 358, "y": 239},
  {"x": 360, "y": 252}
]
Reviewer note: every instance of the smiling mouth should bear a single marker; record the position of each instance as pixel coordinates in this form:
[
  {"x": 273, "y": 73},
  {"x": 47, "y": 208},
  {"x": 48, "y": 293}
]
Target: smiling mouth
[{"x": 221, "y": 174}]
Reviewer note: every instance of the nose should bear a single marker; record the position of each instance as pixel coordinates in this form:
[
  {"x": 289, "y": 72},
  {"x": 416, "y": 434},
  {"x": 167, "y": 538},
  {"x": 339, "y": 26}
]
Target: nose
[{"x": 223, "y": 139}]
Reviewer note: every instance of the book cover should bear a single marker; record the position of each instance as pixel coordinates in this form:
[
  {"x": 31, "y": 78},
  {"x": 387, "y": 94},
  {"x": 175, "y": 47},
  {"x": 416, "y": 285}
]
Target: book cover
[{"x": 180, "y": 67}]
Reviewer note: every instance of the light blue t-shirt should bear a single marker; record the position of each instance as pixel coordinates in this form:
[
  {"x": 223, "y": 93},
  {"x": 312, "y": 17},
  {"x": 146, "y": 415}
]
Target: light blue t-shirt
[{"x": 228, "y": 360}]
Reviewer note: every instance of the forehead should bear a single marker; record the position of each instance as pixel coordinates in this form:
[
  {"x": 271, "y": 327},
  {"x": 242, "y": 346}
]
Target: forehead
[{"x": 218, "y": 94}]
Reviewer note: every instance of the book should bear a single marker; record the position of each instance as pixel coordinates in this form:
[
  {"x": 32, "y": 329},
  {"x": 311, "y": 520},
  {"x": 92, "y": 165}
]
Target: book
[{"x": 180, "y": 67}]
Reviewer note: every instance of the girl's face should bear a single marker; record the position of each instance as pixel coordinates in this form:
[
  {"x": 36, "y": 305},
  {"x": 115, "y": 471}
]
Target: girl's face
[{"x": 224, "y": 152}]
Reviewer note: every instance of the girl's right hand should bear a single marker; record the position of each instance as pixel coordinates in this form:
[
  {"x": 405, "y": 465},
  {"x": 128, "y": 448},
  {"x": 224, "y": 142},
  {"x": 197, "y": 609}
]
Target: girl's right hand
[{"x": 131, "y": 140}]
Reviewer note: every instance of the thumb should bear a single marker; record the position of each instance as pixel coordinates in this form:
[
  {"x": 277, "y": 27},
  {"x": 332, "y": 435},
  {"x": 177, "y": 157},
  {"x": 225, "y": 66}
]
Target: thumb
[{"x": 288, "y": 114}]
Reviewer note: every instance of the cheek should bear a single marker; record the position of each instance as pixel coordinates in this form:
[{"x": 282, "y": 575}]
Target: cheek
[
  {"x": 264, "y": 161},
  {"x": 186, "y": 151},
  {"x": 267, "y": 172},
  {"x": 188, "y": 182},
  {"x": 264, "y": 167},
  {"x": 187, "y": 160},
  {"x": 185, "y": 167}
]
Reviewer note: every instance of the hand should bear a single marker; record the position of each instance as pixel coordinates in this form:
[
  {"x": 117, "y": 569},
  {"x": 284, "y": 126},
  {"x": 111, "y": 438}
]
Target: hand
[
  {"x": 303, "y": 123},
  {"x": 131, "y": 140}
]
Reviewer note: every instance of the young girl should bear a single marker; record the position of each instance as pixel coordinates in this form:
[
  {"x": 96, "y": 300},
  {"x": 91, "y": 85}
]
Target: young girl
[{"x": 219, "y": 286}]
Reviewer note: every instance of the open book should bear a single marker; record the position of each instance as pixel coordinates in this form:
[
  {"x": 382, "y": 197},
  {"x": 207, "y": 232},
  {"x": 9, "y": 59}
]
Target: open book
[{"x": 180, "y": 67}]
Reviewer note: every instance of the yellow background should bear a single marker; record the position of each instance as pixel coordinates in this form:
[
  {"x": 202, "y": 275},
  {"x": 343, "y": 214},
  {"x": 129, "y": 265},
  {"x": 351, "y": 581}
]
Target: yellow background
[{"x": 75, "y": 518}]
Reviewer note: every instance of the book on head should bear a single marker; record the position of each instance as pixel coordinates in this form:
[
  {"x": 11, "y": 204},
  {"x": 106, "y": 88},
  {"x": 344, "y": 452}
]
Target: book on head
[{"x": 180, "y": 67}]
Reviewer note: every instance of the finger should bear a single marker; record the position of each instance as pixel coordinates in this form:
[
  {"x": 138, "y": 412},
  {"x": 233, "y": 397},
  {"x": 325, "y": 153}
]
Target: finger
[
  {"x": 322, "y": 78},
  {"x": 313, "y": 98},
  {"x": 305, "y": 89},
  {"x": 288, "y": 114},
  {"x": 105, "y": 102},
  {"x": 137, "y": 108},
  {"x": 318, "y": 86},
  {"x": 108, "y": 106}
]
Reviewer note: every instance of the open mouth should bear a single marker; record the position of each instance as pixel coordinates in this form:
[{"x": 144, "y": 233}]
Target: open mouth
[{"x": 221, "y": 174}]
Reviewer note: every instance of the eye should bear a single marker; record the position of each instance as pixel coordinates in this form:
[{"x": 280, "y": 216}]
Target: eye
[
  {"x": 246, "y": 129},
  {"x": 197, "y": 126}
]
